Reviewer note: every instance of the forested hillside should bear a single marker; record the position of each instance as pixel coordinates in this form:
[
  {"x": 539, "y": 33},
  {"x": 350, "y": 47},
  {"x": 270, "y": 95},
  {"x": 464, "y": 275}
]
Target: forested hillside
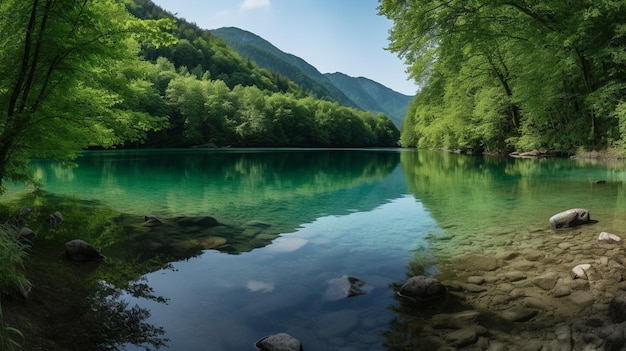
[
  {"x": 513, "y": 75},
  {"x": 348, "y": 91},
  {"x": 213, "y": 97},
  {"x": 266, "y": 55},
  {"x": 373, "y": 96}
]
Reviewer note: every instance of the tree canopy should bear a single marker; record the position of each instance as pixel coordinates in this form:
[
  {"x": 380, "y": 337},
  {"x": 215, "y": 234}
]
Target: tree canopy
[
  {"x": 208, "y": 112},
  {"x": 102, "y": 73},
  {"x": 503, "y": 75},
  {"x": 214, "y": 97},
  {"x": 68, "y": 67}
]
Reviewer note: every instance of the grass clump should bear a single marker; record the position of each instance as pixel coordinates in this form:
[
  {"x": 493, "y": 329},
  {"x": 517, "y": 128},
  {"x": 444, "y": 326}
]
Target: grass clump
[{"x": 12, "y": 279}]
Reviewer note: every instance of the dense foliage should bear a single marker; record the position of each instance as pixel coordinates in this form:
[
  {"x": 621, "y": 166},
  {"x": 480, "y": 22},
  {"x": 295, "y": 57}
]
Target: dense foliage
[
  {"x": 204, "y": 54},
  {"x": 67, "y": 66},
  {"x": 214, "y": 98},
  {"x": 89, "y": 74},
  {"x": 502, "y": 75},
  {"x": 209, "y": 112}
]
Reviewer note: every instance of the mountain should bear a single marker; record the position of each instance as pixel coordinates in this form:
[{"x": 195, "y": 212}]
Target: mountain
[
  {"x": 373, "y": 96},
  {"x": 266, "y": 55},
  {"x": 359, "y": 92}
]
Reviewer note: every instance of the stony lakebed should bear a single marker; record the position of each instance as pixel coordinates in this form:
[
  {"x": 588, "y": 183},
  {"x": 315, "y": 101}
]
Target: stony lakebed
[{"x": 541, "y": 288}]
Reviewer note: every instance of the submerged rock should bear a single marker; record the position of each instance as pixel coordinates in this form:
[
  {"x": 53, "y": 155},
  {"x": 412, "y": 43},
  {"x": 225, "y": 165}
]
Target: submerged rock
[
  {"x": 196, "y": 244},
  {"x": 205, "y": 221},
  {"x": 609, "y": 241},
  {"x": 422, "y": 288},
  {"x": 581, "y": 271},
  {"x": 474, "y": 263},
  {"x": 457, "y": 320},
  {"x": 25, "y": 211},
  {"x": 344, "y": 287},
  {"x": 55, "y": 218},
  {"x": 26, "y": 235},
  {"x": 570, "y": 218},
  {"x": 149, "y": 220},
  {"x": 79, "y": 250},
  {"x": 519, "y": 314},
  {"x": 279, "y": 342},
  {"x": 617, "y": 309}
]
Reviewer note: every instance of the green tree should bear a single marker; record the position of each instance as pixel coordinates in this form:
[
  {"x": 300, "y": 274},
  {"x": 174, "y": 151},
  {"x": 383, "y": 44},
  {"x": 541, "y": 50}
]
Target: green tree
[
  {"x": 63, "y": 64},
  {"x": 502, "y": 75}
]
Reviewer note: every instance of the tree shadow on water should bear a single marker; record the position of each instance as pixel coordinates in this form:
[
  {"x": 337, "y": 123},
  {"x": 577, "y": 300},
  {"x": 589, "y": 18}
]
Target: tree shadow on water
[
  {"x": 70, "y": 309},
  {"x": 84, "y": 305},
  {"x": 79, "y": 305}
]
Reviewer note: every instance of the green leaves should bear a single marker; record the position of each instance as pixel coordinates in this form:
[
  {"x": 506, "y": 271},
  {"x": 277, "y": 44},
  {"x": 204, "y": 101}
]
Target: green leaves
[
  {"x": 69, "y": 67},
  {"x": 212, "y": 113},
  {"x": 515, "y": 75}
]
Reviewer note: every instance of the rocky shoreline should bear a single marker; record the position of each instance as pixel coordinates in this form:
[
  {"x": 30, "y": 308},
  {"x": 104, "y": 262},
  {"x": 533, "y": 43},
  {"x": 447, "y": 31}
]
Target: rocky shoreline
[
  {"x": 520, "y": 292},
  {"x": 532, "y": 289}
]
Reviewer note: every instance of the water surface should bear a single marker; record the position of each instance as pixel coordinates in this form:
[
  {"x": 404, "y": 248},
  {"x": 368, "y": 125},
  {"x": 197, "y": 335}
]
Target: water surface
[{"x": 292, "y": 220}]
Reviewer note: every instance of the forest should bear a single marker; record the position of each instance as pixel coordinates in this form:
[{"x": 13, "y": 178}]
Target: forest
[
  {"x": 213, "y": 97},
  {"x": 85, "y": 74},
  {"x": 127, "y": 74},
  {"x": 513, "y": 75}
]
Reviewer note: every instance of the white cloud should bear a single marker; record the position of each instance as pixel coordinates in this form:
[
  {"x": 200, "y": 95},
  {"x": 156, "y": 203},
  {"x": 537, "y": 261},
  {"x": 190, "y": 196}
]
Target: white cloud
[{"x": 254, "y": 4}]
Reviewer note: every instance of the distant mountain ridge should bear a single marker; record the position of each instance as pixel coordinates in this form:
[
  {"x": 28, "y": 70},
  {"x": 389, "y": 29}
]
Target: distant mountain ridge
[
  {"x": 266, "y": 55},
  {"x": 373, "y": 96},
  {"x": 361, "y": 93}
]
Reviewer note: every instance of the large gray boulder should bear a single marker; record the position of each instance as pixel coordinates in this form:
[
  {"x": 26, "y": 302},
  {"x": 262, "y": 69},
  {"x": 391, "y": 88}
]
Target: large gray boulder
[
  {"x": 570, "y": 218},
  {"x": 422, "y": 288},
  {"x": 79, "y": 250},
  {"x": 279, "y": 342}
]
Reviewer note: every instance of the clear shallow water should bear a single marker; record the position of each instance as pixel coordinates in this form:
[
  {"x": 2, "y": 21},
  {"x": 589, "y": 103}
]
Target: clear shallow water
[
  {"x": 225, "y": 302},
  {"x": 364, "y": 213}
]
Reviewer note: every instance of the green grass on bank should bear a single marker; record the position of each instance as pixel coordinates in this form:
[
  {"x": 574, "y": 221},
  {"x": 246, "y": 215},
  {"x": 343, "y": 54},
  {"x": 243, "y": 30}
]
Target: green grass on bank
[{"x": 12, "y": 279}]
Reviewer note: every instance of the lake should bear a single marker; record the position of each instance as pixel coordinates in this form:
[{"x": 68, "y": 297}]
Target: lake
[{"x": 250, "y": 241}]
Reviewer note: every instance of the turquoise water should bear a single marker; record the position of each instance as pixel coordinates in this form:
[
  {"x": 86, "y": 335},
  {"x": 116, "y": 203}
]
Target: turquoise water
[
  {"x": 225, "y": 302},
  {"x": 291, "y": 220}
]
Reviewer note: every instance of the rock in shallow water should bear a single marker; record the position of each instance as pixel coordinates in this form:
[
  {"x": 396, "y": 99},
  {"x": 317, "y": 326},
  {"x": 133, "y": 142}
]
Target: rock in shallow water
[
  {"x": 279, "y": 342},
  {"x": 519, "y": 314},
  {"x": 617, "y": 309},
  {"x": 26, "y": 235},
  {"x": 580, "y": 271},
  {"x": 422, "y": 288},
  {"x": 570, "y": 218},
  {"x": 79, "y": 250},
  {"x": 344, "y": 287},
  {"x": 609, "y": 241},
  {"x": 457, "y": 320},
  {"x": 55, "y": 218},
  {"x": 474, "y": 263}
]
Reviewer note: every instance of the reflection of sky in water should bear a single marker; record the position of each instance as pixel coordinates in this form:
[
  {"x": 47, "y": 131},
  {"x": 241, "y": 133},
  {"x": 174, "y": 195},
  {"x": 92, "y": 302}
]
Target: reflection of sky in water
[{"x": 227, "y": 302}]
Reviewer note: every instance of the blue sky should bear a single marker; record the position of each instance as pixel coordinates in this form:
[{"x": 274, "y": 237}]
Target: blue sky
[{"x": 344, "y": 36}]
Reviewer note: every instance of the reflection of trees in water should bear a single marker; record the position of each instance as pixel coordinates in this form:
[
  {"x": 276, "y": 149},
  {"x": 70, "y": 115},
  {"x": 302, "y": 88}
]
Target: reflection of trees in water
[
  {"x": 125, "y": 324},
  {"x": 82, "y": 307},
  {"x": 79, "y": 306},
  {"x": 72, "y": 309},
  {"x": 467, "y": 195}
]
